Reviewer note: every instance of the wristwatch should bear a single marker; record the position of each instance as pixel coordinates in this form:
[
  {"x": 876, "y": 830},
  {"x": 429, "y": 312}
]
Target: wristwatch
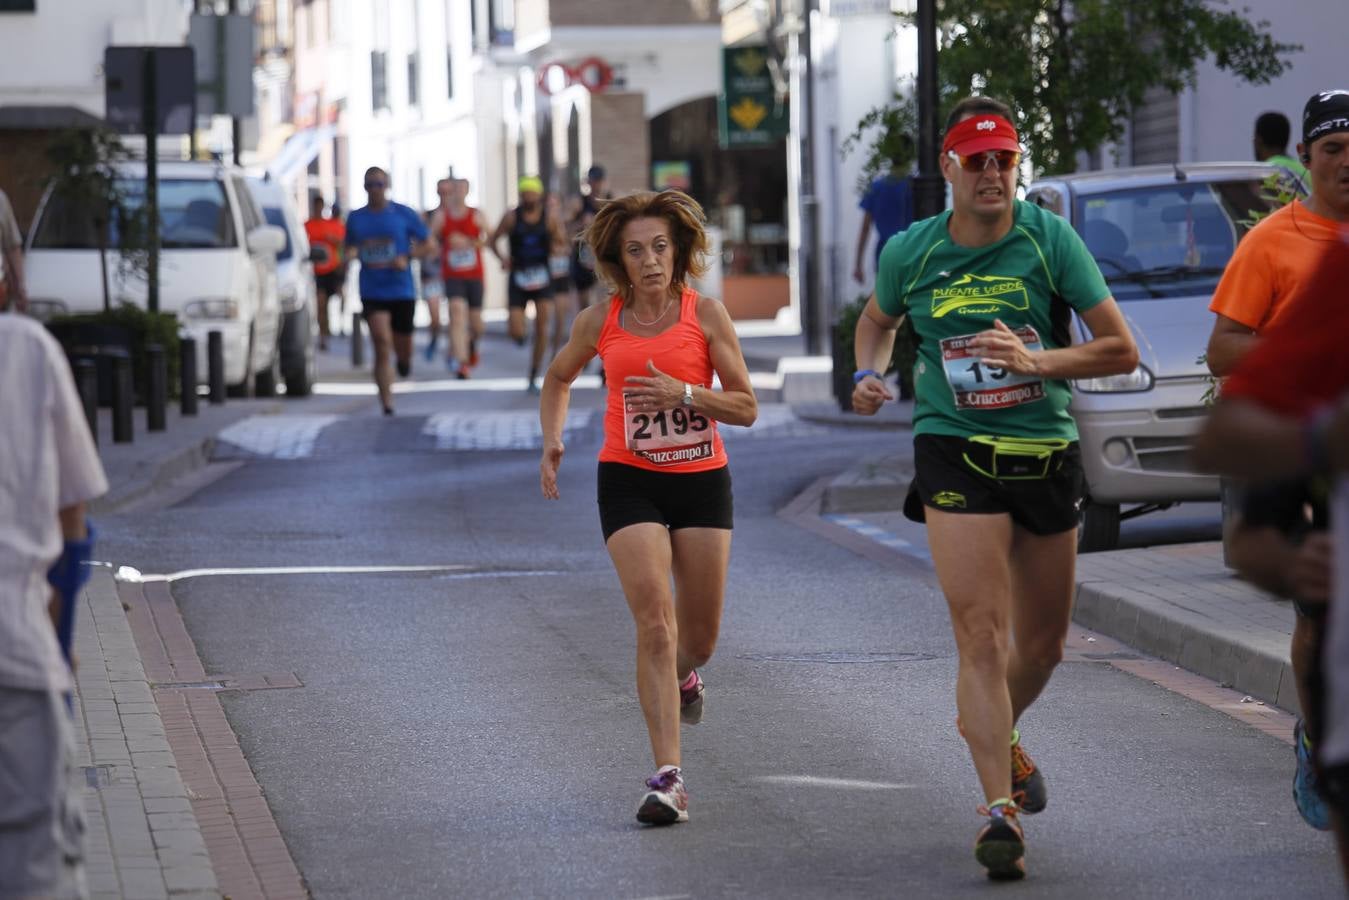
[{"x": 688, "y": 394}]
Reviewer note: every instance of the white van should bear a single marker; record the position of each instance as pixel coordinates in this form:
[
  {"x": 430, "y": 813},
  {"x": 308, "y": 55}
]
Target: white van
[{"x": 217, "y": 266}]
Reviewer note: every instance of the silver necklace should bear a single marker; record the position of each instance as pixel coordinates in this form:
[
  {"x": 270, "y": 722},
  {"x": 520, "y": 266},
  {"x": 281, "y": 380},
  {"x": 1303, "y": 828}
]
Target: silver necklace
[{"x": 655, "y": 320}]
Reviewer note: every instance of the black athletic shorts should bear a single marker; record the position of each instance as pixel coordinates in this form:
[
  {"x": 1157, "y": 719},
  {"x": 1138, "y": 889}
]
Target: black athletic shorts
[
  {"x": 583, "y": 278},
  {"x": 468, "y": 288},
  {"x": 629, "y": 495},
  {"x": 518, "y": 297},
  {"x": 945, "y": 481},
  {"x": 330, "y": 283},
  {"x": 400, "y": 313}
]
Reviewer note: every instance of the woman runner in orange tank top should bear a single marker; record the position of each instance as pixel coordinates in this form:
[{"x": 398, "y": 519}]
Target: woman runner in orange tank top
[{"x": 664, "y": 486}]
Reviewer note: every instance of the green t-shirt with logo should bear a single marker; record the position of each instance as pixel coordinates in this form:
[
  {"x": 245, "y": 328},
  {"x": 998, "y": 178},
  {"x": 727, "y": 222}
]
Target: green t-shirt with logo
[{"x": 1031, "y": 280}]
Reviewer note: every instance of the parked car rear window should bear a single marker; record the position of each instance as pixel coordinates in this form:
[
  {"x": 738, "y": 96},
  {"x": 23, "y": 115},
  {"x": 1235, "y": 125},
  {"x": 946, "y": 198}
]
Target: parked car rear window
[
  {"x": 1168, "y": 240},
  {"x": 193, "y": 214},
  {"x": 275, "y": 216}
]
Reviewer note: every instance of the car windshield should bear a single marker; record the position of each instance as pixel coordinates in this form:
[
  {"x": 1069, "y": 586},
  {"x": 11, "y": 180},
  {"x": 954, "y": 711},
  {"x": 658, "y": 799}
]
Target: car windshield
[
  {"x": 193, "y": 213},
  {"x": 275, "y": 216},
  {"x": 1168, "y": 240}
]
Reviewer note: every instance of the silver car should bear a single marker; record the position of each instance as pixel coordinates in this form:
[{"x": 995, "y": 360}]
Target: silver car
[{"x": 1161, "y": 236}]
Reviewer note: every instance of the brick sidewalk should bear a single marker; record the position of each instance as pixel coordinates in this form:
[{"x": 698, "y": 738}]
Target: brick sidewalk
[
  {"x": 173, "y": 809},
  {"x": 143, "y": 840}
]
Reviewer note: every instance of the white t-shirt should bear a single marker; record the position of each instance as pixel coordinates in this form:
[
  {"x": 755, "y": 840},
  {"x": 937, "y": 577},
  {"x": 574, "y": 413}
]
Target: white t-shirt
[{"x": 47, "y": 462}]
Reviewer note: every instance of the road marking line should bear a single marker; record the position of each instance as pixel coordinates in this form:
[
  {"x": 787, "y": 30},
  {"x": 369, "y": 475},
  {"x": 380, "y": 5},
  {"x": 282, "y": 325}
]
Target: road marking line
[
  {"x": 133, "y": 576},
  {"x": 846, "y": 783}
]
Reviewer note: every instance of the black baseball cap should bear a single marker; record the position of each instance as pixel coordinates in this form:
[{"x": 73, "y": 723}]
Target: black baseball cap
[
  {"x": 596, "y": 173},
  {"x": 1325, "y": 113}
]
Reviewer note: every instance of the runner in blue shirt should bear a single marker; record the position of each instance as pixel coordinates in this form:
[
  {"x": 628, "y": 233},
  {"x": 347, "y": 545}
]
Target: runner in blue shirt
[
  {"x": 887, "y": 204},
  {"x": 384, "y": 236}
]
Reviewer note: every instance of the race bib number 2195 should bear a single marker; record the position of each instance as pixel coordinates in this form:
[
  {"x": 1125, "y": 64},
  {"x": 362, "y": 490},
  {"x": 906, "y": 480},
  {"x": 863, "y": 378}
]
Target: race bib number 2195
[{"x": 668, "y": 437}]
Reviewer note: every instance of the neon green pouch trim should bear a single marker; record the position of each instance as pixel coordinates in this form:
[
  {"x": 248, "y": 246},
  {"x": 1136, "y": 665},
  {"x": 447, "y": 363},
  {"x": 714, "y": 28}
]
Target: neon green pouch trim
[{"x": 1015, "y": 459}]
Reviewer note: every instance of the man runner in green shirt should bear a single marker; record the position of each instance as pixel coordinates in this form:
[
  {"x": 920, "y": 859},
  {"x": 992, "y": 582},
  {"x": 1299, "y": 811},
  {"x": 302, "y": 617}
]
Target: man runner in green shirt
[{"x": 990, "y": 287}]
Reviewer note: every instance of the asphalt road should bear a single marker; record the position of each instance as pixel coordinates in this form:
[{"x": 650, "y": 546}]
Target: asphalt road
[{"x": 474, "y": 731}]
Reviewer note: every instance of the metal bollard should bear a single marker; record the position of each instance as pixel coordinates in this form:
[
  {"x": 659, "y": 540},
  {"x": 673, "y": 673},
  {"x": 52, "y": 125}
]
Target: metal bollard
[
  {"x": 357, "y": 342},
  {"x": 187, "y": 375},
  {"x": 156, "y": 386},
  {"x": 123, "y": 396},
  {"x": 86, "y": 380},
  {"x": 215, "y": 366}
]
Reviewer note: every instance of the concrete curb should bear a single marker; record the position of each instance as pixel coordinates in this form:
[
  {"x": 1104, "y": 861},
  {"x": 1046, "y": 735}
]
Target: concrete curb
[
  {"x": 143, "y": 839},
  {"x": 879, "y": 484},
  {"x": 1252, "y": 660},
  {"x": 161, "y": 472}
]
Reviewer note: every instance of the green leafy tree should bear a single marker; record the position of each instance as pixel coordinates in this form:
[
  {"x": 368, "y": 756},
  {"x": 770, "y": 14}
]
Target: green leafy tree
[
  {"x": 89, "y": 199},
  {"x": 1074, "y": 71}
]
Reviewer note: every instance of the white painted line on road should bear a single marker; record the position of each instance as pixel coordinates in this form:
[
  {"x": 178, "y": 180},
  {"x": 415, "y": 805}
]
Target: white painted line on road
[
  {"x": 283, "y": 436},
  {"x": 135, "y": 576},
  {"x": 846, "y": 783},
  {"x": 497, "y": 430}
]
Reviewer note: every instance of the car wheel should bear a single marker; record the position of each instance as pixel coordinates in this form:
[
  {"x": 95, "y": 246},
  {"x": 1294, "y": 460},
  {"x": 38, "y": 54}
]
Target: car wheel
[
  {"x": 244, "y": 389},
  {"x": 301, "y": 383},
  {"x": 269, "y": 379},
  {"x": 1097, "y": 527}
]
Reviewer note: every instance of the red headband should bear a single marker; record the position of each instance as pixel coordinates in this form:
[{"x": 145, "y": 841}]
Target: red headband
[{"x": 979, "y": 133}]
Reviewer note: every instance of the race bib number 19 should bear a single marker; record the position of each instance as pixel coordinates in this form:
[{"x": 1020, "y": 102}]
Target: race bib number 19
[
  {"x": 668, "y": 437},
  {"x": 977, "y": 385}
]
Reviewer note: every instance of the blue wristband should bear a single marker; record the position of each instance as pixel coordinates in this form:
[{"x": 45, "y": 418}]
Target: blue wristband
[
  {"x": 67, "y": 575},
  {"x": 858, "y": 376}
]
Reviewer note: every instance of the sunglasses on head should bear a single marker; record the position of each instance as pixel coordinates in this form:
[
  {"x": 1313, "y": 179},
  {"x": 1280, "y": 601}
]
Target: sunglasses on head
[{"x": 978, "y": 162}]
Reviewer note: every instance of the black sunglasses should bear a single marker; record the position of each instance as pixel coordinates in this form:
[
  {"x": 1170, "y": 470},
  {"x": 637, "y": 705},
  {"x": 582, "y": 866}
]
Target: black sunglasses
[{"x": 371, "y": 185}]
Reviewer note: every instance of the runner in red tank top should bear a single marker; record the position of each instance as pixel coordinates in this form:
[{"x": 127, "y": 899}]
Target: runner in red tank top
[
  {"x": 664, "y": 486},
  {"x": 462, "y": 231}
]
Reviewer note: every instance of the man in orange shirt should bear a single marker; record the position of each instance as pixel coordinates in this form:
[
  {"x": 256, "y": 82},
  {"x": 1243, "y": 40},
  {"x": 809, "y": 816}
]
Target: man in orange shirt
[
  {"x": 1278, "y": 255},
  {"x": 327, "y": 235},
  {"x": 1274, "y": 264}
]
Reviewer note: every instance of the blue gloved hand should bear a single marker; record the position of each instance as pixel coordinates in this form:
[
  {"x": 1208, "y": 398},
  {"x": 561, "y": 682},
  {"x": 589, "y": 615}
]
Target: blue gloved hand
[{"x": 68, "y": 575}]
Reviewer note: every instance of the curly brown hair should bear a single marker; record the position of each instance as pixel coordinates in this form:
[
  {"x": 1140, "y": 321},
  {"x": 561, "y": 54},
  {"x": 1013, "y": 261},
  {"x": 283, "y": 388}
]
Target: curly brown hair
[{"x": 687, "y": 232}]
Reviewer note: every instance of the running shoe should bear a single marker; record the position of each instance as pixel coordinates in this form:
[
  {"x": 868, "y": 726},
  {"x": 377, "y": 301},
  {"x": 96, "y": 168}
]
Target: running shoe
[
  {"x": 1001, "y": 846},
  {"x": 462, "y": 373},
  {"x": 472, "y": 354},
  {"x": 691, "y": 699},
  {"x": 404, "y": 368},
  {"x": 1028, "y": 785},
  {"x": 666, "y": 801},
  {"x": 1307, "y": 794},
  {"x": 430, "y": 351}
]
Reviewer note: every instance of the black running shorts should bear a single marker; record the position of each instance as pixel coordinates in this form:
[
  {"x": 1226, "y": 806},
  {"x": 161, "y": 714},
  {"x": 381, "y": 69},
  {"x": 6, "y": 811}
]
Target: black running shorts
[
  {"x": 400, "y": 312},
  {"x": 330, "y": 283},
  {"x": 519, "y": 297},
  {"x": 629, "y": 495},
  {"x": 469, "y": 289},
  {"x": 944, "y": 481}
]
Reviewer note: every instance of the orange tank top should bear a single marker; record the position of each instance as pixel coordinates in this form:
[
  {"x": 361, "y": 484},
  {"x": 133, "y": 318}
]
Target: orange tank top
[
  {"x": 672, "y": 440},
  {"x": 466, "y": 263}
]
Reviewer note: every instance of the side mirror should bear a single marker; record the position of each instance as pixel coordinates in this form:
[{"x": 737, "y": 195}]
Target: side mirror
[{"x": 266, "y": 239}]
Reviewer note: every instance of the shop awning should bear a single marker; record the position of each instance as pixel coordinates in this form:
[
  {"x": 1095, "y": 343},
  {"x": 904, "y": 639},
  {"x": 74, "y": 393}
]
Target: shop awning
[{"x": 299, "y": 151}]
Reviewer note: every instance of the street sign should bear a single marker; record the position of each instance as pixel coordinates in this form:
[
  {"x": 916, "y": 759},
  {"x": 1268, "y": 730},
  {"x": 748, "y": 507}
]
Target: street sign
[
  {"x": 223, "y": 90},
  {"x": 123, "y": 75},
  {"x": 751, "y": 112}
]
